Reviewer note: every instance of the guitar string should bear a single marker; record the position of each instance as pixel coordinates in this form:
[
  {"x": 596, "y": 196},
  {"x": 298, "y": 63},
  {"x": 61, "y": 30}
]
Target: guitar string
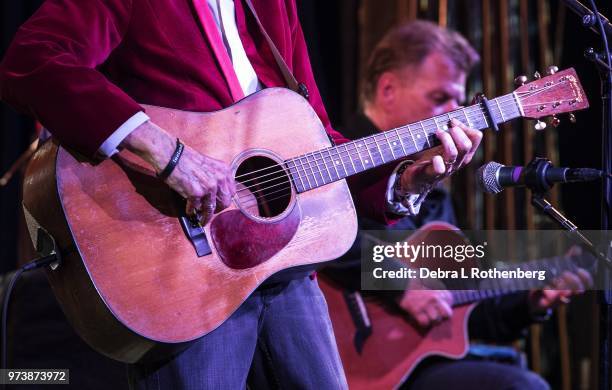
[
  {"x": 316, "y": 159},
  {"x": 386, "y": 145},
  {"x": 404, "y": 130},
  {"x": 505, "y": 101},
  {"x": 313, "y": 172},
  {"x": 258, "y": 198}
]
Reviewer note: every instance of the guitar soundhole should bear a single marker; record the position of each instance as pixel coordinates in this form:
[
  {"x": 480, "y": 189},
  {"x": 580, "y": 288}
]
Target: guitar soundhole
[{"x": 263, "y": 187}]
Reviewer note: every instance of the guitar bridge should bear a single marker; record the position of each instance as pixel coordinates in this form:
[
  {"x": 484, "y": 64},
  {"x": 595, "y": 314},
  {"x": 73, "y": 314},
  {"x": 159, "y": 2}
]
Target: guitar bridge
[{"x": 196, "y": 234}]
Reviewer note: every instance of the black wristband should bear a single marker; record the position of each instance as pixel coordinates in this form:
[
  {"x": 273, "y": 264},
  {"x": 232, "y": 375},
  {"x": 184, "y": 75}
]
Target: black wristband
[{"x": 176, "y": 156}]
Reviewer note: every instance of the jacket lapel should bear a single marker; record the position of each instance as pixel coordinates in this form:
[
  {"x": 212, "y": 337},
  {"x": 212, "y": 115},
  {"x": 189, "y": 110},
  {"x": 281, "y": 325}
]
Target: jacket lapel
[{"x": 211, "y": 31}]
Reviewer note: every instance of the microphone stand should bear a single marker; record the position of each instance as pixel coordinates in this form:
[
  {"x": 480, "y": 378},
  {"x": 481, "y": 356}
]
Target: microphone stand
[
  {"x": 535, "y": 179},
  {"x": 592, "y": 19},
  {"x": 538, "y": 201}
]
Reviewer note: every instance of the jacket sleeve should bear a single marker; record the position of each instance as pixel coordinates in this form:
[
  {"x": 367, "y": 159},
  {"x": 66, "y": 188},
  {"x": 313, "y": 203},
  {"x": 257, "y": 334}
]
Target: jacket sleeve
[{"x": 51, "y": 71}]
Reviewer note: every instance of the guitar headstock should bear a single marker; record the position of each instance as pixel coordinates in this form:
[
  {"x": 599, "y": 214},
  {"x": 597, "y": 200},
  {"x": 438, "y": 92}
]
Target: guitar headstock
[{"x": 554, "y": 94}]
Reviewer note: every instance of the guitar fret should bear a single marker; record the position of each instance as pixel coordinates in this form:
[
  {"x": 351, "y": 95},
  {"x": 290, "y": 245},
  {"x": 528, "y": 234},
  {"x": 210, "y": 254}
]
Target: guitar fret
[
  {"x": 520, "y": 107},
  {"x": 378, "y": 147},
  {"x": 501, "y": 113},
  {"x": 334, "y": 164},
  {"x": 339, "y": 163},
  {"x": 467, "y": 118},
  {"x": 314, "y": 177},
  {"x": 306, "y": 173},
  {"x": 482, "y": 113},
  {"x": 345, "y": 156},
  {"x": 425, "y": 134},
  {"x": 351, "y": 157},
  {"x": 316, "y": 169},
  {"x": 401, "y": 142},
  {"x": 368, "y": 149},
  {"x": 390, "y": 146},
  {"x": 416, "y": 147},
  {"x": 341, "y": 159},
  {"x": 446, "y": 125},
  {"x": 357, "y": 147},
  {"x": 299, "y": 175},
  {"x": 326, "y": 167}
]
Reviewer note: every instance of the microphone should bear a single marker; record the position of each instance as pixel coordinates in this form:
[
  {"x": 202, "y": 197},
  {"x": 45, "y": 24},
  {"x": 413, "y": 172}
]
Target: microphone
[{"x": 539, "y": 175}]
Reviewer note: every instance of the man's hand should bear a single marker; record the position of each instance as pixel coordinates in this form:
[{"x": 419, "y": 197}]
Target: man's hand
[
  {"x": 206, "y": 183},
  {"x": 457, "y": 149},
  {"x": 427, "y": 307},
  {"x": 566, "y": 285}
]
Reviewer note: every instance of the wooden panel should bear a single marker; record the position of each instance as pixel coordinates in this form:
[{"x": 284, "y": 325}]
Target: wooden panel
[
  {"x": 488, "y": 85},
  {"x": 566, "y": 364},
  {"x": 406, "y": 10},
  {"x": 507, "y": 139},
  {"x": 443, "y": 13},
  {"x": 528, "y": 138},
  {"x": 546, "y": 59}
]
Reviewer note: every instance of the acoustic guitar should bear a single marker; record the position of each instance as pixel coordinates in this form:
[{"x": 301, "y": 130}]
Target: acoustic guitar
[
  {"x": 379, "y": 343},
  {"x": 139, "y": 279}
]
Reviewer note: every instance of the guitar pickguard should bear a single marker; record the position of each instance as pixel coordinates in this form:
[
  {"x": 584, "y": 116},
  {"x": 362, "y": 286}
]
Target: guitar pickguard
[{"x": 243, "y": 242}]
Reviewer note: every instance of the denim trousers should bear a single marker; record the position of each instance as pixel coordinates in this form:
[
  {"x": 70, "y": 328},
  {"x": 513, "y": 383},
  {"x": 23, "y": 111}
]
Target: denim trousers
[
  {"x": 471, "y": 374},
  {"x": 280, "y": 338}
]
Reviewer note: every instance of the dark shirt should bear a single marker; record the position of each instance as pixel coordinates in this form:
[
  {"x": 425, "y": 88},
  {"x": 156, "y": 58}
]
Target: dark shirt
[{"x": 499, "y": 319}]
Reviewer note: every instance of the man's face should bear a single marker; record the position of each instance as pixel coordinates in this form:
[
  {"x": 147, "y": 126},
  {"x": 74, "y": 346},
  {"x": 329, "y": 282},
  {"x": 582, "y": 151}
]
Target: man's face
[{"x": 433, "y": 88}]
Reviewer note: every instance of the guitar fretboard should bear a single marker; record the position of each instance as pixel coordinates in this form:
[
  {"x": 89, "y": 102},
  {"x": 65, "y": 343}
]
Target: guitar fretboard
[
  {"x": 315, "y": 169},
  {"x": 492, "y": 288}
]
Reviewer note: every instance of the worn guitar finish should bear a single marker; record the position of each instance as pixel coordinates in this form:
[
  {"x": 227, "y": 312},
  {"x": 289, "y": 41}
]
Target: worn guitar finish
[
  {"x": 131, "y": 281},
  {"x": 130, "y": 278}
]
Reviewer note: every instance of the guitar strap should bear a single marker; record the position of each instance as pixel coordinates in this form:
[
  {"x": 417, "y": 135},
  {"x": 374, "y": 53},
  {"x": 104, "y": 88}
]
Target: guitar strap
[
  {"x": 290, "y": 79},
  {"x": 360, "y": 317}
]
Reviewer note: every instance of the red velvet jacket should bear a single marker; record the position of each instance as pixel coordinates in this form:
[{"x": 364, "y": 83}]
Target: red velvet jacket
[{"x": 81, "y": 66}]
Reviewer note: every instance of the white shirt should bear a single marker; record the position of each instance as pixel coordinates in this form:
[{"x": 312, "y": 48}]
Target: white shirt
[{"x": 224, "y": 14}]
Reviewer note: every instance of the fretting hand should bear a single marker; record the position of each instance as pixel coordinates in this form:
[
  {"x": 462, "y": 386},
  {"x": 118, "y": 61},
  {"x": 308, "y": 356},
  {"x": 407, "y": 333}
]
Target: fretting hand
[{"x": 458, "y": 147}]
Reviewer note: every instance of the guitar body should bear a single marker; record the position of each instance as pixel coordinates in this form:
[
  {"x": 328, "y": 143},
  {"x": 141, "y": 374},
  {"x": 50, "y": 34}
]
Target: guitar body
[
  {"x": 131, "y": 282},
  {"x": 395, "y": 346}
]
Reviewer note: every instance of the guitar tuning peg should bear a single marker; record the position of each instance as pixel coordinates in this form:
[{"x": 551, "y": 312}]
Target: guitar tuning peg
[
  {"x": 552, "y": 69},
  {"x": 537, "y": 75},
  {"x": 520, "y": 80},
  {"x": 555, "y": 121},
  {"x": 540, "y": 125},
  {"x": 572, "y": 117}
]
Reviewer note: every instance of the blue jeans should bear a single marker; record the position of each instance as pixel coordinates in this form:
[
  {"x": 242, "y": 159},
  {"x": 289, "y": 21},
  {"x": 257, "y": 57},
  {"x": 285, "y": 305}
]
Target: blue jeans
[
  {"x": 473, "y": 374},
  {"x": 280, "y": 337}
]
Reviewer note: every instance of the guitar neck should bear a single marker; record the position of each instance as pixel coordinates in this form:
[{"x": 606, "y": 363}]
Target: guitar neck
[
  {"x": 492, "y": 288},
  {"x": 325, "y": 166}
]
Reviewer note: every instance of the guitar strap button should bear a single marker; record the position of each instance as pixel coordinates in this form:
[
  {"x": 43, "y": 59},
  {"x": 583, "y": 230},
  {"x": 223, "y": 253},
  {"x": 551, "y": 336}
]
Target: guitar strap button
[{"x": 303, "y": 90}]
